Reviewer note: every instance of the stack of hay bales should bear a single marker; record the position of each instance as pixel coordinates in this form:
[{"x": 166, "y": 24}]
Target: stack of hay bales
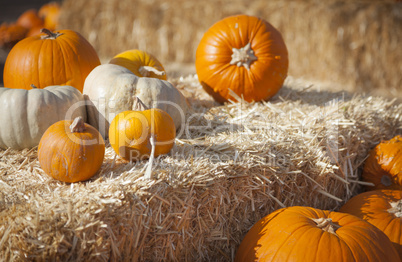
[
  {"x": 353, "y": 43},
  {"x": 232, "y": 165}
]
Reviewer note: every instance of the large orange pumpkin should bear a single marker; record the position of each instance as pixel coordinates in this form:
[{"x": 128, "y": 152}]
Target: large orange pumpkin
[
  {"x": 141, "y": 63},
  {"x": 381, "y": 208},
  {"x": 245, "y": 54},
  {"x": 53, "y": 58},
  {"x": 131, "y": 132},
  {"x": 309, "y": 234},
  {"x": 71, "y": 151},
  {"x": 383, "y": 167}
]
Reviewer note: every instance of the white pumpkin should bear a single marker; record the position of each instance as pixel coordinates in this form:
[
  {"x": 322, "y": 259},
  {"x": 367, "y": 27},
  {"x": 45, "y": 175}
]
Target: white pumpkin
[
  {"x": 111, "y": 89},
  {"x": 26, "y": 114}
]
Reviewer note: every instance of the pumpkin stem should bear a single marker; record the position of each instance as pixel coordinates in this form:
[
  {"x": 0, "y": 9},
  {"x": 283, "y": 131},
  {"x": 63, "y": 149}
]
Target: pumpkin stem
[
  {"x": 396, "y": 208},
  {"x": 49, "y": 34},
  {"x": 138, "y": 105},
  {"x": 78, "y": 125},
  {"x": 33, "y": 86},
  {"x": 326, "y": 224},
  {"x": 147, "y": 70},
  {"x": 243, "y": 56},
  {"x": 386, "y": 180}
]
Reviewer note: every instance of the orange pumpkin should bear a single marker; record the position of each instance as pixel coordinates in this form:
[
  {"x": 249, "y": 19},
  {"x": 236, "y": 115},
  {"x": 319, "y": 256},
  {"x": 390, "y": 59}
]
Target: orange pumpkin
[
  {"x": 71, "y": 151},
  {"x": 34, "y": 31},
  {"x": 245, "y": 54},
  {"x": 10, "y": 34},
  {"x": 30, "y": 19},
  {"x": 141, "y": 63},
  {"x": 381, "y": 208},
  {"x": 54, "y": 58},
  {"x": 50, "y": 13},
  {"x": 309, "y": 234},
  {"x": 131, "y": 132},
  {"x": 383, "y": 167}
]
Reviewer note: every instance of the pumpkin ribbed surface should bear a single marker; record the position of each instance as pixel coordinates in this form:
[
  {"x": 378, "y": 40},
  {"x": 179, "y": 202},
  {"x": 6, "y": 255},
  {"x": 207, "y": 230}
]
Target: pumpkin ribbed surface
[
  {"x": 245, "y": 54},
  {"x": 383, "y": 167},
  {"x": 60, "y": 58},
  {"x": 308, "y": 234},
  {"x": 71, "y": 156},
  {"x": 381, "y": 208},
  {"x": 130, "y": 133}
]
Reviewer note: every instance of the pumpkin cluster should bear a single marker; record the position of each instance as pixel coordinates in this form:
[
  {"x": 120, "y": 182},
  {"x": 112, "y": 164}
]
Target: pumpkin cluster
[
  {"x": 131, "y": 103},
  {"x": 367, "y": 227},
  {"x": 310, "y": 234},
  {"x": 54, "y": 83},
  {"x": 381, "y": 205},
  {"x": 60, "y": 97},
  {"x": 29, "y": 23},
  {"x": 235, "y": 60}
]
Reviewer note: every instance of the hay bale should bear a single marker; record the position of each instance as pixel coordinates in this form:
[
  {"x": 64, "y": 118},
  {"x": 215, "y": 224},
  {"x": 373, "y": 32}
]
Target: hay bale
[
  {"x": 355, "y": 43},
  {"x": 232, "y": 165}
]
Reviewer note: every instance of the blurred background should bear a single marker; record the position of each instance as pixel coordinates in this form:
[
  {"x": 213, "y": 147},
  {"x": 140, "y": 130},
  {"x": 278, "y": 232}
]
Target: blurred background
[{"x": 342, "y": 45}]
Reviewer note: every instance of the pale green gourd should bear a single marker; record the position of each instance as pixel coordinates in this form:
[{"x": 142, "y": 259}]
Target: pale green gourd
[{"x": 26, "y": 114}]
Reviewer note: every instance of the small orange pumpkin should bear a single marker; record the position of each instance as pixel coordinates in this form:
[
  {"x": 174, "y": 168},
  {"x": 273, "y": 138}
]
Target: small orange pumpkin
[
  {"x": 50, "y": 13},
  {"x": 131, "y": 132},
  {"x": 383, "y": 167},
  {"x": 245, "y": 54},
  {"x": 29, "y": 19},
  {"x": 381, "y": 208},
  {"x": 54, "y": 58},
  {"x": 71, "y": 151},
  {"x": 141, "y": 63},
  {"x": 309, "y": 234}
]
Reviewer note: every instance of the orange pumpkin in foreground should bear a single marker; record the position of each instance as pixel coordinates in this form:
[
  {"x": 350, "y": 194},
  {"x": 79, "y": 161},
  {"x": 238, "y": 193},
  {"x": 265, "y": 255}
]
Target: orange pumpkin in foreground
[
  {"x": 383, "y": 167},
  {"x": 53, "y": 58},
  {"x": 245, "y": 54},
  {"x": 71, "y": 151},
  {"x": 309, "y": 234},
  {"x": 381, "y": 208},
  {"x": 131, "y": 132}
]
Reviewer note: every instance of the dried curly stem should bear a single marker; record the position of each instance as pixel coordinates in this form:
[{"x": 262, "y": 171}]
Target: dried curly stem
[
  {"x": 49, "y": 34},
  {"x": 147, "y": 70},
  {"x": 78, "y": 125},
  {"x": 326, "y": 224},
  {"x": 138, "y": 105}
]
